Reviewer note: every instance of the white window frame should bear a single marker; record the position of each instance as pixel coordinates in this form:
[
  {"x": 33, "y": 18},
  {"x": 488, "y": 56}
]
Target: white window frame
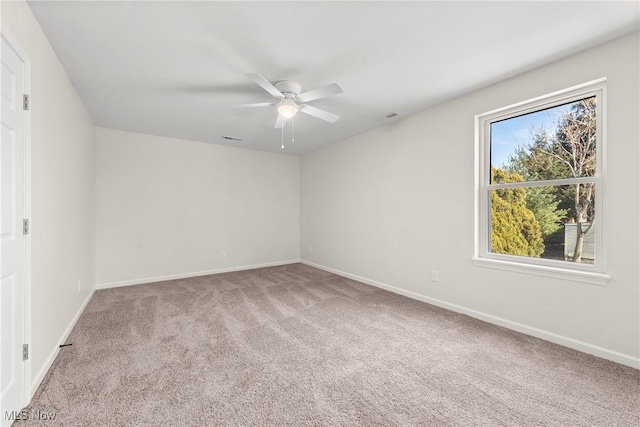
[{"x": 588, "y": 273}]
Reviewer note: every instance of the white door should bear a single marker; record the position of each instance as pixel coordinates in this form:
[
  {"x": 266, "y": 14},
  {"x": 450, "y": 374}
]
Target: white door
[{"x": 12, "y": 213}]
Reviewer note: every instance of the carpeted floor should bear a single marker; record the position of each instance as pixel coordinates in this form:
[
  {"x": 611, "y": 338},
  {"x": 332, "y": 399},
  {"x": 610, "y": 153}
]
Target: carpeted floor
[{"x": 297, "y": 346}]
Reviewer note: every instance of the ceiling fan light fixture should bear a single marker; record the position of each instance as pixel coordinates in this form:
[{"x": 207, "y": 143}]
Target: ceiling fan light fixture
[{"x": 288, "y": 108}]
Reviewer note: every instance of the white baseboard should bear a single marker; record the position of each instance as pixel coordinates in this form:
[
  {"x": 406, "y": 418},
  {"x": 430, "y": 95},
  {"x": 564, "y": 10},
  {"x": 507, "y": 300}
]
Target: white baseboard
[
  {"x": 35, "y": 382},
  {"x": 194, "y": 274},
  {"x": 582, "y": 346}
]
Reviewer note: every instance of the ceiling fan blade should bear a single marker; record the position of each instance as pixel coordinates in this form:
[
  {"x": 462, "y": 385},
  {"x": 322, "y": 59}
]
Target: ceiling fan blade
[
  {"x": 279, "y": 122},
  {"x": 264, "y": 84},
  {"x": 321, "y": 92},
  {"x": 258, "y": 104},
  {"x": 321, "y": 114}
]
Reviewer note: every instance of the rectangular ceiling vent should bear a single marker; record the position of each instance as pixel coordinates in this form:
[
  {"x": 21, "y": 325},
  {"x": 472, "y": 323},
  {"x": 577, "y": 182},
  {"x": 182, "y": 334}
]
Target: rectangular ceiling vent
[
  {"x": 391, "y": 115},
  {"x": 231, "y": 138}
]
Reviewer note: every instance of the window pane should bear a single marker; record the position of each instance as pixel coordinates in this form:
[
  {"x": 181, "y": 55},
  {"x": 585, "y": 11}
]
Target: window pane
[
  {"x": 544, "y": 222},
  {"x": 554, "y": 143}
]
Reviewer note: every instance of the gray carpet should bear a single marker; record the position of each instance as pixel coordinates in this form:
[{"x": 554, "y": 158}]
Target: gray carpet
[{"x": 297, "y": 346}]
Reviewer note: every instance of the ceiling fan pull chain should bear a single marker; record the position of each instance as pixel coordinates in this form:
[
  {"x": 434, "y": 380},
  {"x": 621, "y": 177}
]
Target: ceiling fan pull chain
[
  {"x": 282, "y": 131},
  {"x": 293, "y": 129}
]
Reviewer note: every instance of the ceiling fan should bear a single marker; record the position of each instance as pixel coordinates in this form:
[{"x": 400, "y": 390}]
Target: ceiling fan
[{"x": 292, "y": 99}]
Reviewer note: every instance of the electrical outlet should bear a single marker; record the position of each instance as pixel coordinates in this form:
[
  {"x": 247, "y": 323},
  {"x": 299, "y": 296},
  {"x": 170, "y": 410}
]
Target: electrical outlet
[
  {"x": 223, "y": 254},
  {"x": 310, "y": 249},
  {"x": 435, "y": 276}
]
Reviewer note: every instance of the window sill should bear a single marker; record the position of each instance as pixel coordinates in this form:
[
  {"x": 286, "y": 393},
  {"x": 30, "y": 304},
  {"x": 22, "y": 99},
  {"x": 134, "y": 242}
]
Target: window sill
[{"x": 542, "y": 270}]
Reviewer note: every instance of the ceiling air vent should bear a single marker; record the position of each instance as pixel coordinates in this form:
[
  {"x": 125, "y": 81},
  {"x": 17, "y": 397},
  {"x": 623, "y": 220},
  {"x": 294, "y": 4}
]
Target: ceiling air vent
[
  {"x": 391, "y": 115},
  {"x": 231, "y": 138}
]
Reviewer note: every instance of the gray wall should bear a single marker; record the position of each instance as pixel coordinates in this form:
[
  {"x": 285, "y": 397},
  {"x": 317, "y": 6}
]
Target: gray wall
[{"x": 170, "y": 207}]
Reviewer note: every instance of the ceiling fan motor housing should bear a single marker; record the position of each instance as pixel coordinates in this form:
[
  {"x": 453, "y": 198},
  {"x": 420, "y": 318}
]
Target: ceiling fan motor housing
[{"x": 288, "y": 88}]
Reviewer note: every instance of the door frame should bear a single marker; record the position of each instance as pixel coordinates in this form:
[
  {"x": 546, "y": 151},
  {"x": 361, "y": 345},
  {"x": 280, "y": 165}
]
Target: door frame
[{"x": 12, "y": 41}]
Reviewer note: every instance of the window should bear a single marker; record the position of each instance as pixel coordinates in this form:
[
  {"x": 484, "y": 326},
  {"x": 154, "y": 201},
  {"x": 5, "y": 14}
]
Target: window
[{"x": 540, "y": 185}]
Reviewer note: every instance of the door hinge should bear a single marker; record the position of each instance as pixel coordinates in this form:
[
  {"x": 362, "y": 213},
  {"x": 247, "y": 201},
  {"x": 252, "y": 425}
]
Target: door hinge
[
  {"x": 25, "y": 351},
  {"x": 25, "y": 102},
  {"x": 25, "y": 226}
]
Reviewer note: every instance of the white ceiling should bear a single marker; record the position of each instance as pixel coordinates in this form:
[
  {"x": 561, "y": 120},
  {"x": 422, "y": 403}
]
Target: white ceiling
[{"x": 177, "y": 68}]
